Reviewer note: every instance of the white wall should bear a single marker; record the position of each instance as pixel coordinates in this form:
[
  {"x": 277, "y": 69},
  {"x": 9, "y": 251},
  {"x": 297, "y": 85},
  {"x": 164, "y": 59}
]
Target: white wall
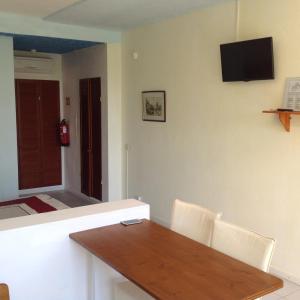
[
  {"x": 217, "y": 148},
  {"x": 8, "y": 134},
  {"x": 39, "y": 261},
  {"x": 104, "y": 62},
  {"x": 85, "y": 63},
  {"x": 114, "y": 121}
]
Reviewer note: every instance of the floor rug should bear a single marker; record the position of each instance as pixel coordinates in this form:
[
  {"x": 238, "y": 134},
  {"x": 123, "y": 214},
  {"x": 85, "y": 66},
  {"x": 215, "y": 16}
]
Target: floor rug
[{"x": 28, "y": 206}]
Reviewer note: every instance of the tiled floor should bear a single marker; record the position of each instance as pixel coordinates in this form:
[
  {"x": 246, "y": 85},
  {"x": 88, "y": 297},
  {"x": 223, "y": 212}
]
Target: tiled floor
[
  {"x": 290, "y": 291},
  {"x": 69, "y": 198}
]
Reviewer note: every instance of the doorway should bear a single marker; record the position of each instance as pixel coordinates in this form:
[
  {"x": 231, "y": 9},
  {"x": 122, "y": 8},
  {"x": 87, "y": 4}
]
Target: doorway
[
  {"x": 90, "y": 128},
  {"x": 38, "y": 115}
]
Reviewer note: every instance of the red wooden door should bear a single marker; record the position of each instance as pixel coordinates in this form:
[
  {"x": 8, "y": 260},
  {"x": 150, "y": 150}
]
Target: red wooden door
[
  {"x": 50, "y": 117},
  {"x": 38, "y": 114},
  {"x": 96, "y": 138},
  {"x": 85, "y": 117},
  {"x": 91, "y": 163}
]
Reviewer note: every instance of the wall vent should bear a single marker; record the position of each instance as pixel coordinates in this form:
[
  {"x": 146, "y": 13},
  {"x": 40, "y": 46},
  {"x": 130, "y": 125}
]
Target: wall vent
[{"x": 31, "y": 64}]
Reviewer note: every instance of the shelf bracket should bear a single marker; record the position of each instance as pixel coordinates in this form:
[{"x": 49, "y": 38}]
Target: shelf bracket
[
  {"x": 284, "y": 117},
  {"x": 285, "y": 120}
]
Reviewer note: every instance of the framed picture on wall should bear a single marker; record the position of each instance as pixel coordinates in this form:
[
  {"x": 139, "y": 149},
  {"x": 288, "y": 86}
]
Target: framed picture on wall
[{"x": 154, "y": 106}]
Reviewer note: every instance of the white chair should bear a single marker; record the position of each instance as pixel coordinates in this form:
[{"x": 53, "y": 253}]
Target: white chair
[
  {"x": 193, "y": 221},
  {"x": 247, "y": 246},
  {"x": 244, "y": 245},
  {"x": 126, "y": 290}
]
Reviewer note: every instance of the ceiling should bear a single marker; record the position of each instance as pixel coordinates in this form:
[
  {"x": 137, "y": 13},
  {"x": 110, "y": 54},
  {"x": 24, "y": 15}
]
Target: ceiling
[
  {"x": 48, "y": 45},
  {"x": 35, "y": 8},
  {"x": 107, "y": 14}
]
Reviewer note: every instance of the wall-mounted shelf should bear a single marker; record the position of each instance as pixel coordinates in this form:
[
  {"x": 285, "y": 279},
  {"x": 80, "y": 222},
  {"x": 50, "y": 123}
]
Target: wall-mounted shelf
[{"x": 284, "y": 117}]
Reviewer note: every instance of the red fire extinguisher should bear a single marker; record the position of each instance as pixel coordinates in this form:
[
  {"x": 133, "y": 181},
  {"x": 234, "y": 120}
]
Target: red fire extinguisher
[{"x": 64, "y": 133}]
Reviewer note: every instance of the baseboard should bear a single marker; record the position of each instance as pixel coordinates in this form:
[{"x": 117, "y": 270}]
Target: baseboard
[
  {"x": 275, "y": 271},
  {"x": 41, "y": 190}
]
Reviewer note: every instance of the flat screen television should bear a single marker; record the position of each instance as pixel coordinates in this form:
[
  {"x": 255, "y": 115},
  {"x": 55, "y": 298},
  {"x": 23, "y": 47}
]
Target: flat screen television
[{"x": 248, "y": 60}]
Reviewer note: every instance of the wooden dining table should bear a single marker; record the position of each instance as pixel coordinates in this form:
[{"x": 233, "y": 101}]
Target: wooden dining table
[{"x": 170, "y": 266}]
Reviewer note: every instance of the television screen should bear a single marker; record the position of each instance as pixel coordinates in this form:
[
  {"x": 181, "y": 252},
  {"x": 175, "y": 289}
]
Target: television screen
[{"x": 247, "y": 60}]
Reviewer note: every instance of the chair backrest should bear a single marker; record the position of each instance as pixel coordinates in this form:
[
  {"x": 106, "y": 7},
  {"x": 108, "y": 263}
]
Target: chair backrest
[
  {"x": 4, "y": 293},
  {"x": 193, "y": 221},
  {"x": 244, "y": 245}
]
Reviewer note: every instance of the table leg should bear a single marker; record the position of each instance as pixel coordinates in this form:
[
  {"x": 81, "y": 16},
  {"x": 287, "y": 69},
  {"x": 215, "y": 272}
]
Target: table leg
[{"x": 90, "y": 277}]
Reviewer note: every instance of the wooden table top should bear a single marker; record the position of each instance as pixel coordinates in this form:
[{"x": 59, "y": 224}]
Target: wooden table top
[{"x": 170, "y": 266}]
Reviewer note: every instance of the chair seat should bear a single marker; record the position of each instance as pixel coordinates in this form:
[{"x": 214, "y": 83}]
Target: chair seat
[{"x": 4, "y": 292}]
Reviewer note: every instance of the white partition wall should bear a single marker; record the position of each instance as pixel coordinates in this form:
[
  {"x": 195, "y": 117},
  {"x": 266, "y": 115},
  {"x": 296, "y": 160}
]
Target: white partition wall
[
  {"x": 8, "y": 130},
  {"x": 39, "y": 261}
]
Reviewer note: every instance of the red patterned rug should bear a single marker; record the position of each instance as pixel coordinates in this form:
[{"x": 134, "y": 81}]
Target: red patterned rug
[
  {"x": 29, "y": 206},
  {"x": 33, "y": 202}
]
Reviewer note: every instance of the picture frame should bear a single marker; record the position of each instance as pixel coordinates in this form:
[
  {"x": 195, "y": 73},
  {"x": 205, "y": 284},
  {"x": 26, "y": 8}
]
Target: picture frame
[
  {"x": 292, "y": 94},
  {"x": 154, "y": 106}
]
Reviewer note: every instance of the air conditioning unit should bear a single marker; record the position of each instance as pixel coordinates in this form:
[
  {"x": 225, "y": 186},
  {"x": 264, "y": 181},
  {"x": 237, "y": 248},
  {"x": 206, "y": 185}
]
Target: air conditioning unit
[{"x": 27, "y": 64}]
